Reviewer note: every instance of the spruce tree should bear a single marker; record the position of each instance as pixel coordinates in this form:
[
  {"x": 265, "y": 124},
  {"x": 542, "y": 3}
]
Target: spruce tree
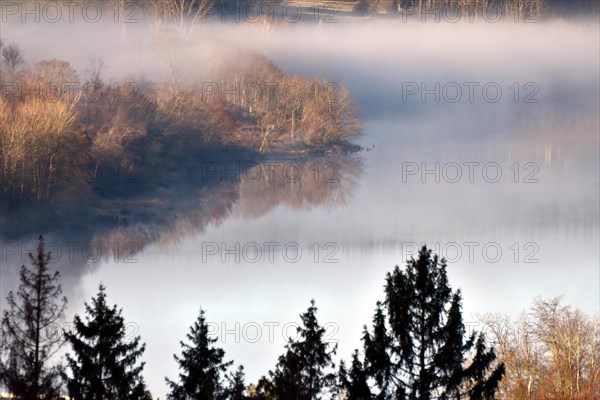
[
  {"x": 31, "y": 332},
  {"x": 353, "y": 384},
  {"x": 418, "y": 349},
  {"x": 237, "y": 385},
  {"x": 106, "y": 363},
  {"x": 302, "y": 372},
  {"x": 202, "y": 366}
]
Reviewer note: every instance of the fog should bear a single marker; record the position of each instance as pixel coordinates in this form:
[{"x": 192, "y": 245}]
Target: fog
[{"x": 392, "y": 206}]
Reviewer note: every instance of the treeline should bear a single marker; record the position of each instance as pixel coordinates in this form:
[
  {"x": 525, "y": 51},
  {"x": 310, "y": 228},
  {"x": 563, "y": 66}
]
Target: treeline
[
  {"x": 184, "y": 16},
  {"x": 64, "y": 135},
  {"x": 518, "y": 10},
  {"x": 418, "y": 347},
  {"x": 175, "y": 12}
]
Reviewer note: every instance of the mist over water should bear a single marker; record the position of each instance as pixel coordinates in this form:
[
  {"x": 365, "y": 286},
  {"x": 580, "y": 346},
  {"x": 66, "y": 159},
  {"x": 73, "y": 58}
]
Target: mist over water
[{"x": 542, "y": 212}]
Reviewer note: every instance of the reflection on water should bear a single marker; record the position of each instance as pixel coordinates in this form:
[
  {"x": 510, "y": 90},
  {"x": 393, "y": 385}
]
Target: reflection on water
[
  {"x": 128, "y": 226},
  {"x": 299, "y": 185}
]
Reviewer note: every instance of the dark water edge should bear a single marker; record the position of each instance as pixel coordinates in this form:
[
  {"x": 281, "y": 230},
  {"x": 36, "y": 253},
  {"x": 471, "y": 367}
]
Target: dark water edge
[{"x": 203, "y": 189}]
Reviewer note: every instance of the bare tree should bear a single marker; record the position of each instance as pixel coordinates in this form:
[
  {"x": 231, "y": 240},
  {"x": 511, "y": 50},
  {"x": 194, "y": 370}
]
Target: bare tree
[
  {"x": 55, "y": 80},
  {"x": 519, "y": 350},
  {"x": 182, "y": 15},
  {"x": 571, "y": 339},
  {"x": 12, "y": 58},
  {"x": 94, "y": 73},
  {"x": 330, "y": 115},
  {"x": 551, "y": 352}
]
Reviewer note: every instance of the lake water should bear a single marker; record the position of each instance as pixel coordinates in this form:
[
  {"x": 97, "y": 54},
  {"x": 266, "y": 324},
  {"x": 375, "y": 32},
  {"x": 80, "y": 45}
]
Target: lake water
[{"x": 483, "y": 142}]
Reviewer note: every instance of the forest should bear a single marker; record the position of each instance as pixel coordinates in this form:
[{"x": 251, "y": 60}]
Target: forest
[
  {"x": 58, "y": 133},
  {"x": 416, "y": 348}
]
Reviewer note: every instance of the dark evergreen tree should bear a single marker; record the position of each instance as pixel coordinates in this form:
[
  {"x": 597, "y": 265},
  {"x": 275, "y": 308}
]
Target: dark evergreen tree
[
  {"x": 202, "y": 367},
  {"x": 106, "y": 364},
  {"x": 31, "y": 332},
  {"x": 237, "y": 385},
  {"x": 302, "y": 372},
  {"x": 353, "y": 384},
  {"x": 418, "y": 349}
]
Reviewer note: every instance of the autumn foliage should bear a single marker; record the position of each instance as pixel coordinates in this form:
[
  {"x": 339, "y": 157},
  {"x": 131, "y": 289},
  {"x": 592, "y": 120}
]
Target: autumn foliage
[{"x": 62, "y": 136}]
